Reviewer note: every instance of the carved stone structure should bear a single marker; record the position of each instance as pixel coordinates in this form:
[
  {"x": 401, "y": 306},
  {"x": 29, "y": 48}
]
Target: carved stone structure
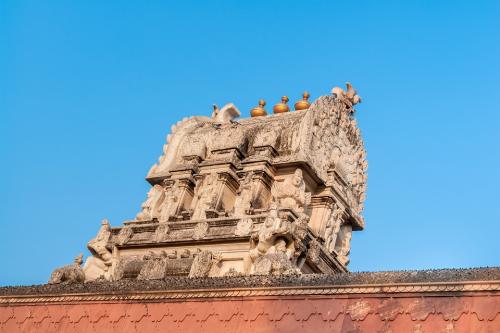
[
  {"x": 277, "y": 194},
  {"x": 71, "y": 273}
]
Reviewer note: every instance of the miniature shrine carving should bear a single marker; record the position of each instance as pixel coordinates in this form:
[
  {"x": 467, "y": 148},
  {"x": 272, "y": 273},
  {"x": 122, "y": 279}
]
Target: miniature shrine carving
[{"x": 271, "y": 194}]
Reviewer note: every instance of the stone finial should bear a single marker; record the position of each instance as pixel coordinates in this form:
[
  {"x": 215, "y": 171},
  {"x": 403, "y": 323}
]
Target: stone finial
[
  {"x": 259, "y": 111},
  {"x": 226, "y": 114},
  {"x": 282, "y": 107},
  {"x": 303, "y": 104},
  {"x": 348, "y": 97}
]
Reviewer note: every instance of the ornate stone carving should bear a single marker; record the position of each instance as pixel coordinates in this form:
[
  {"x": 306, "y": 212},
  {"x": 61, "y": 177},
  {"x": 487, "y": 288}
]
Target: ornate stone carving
[
  {"x": 204, "y": 262},
  {"x": 179, "y": 131},
  {"x": 98, "y": 245},
  {"x": 151, "y": 207},
  {"x": 204, "y": 196},
  {"x": 200, "y": 230},
  {"x": 216, "y": 180},
  {"x": 336, "y": 143},
  {"x": 349, "y": 97},
  {"x": 124, "y": 235},
  {"x": 291, "y": 193},
  {"x": 69, "y": 274},
  {"x": 244, "y": 227},
  {"x": 154, "y": 267},
  {"x": 343, "y": 246},
  {"x": 226, "y": 114},
  {"x": 244, "y": 197},
  {"x": 161, "y": 232},
  {"x": 276, "y": 238},
  {"x": 100, "y": 263},
  {"x": 333, "y": 227},
  {"x": 170, "y": 202},
  {"x": 276, "y": 261},
  {"x": 314, "y": 251}
]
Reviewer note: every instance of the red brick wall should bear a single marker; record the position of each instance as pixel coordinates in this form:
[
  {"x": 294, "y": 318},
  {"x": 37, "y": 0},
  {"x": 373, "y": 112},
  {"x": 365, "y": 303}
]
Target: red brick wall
[{"x": 413, "y": 313}]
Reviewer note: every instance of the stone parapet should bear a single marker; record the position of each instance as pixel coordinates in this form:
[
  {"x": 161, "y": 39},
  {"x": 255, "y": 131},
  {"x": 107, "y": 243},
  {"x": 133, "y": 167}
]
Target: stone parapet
[{"x": 414, "y": 301}]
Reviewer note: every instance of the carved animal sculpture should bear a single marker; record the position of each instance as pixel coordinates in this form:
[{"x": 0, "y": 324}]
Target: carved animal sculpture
[{"x": 69, "y": 274}]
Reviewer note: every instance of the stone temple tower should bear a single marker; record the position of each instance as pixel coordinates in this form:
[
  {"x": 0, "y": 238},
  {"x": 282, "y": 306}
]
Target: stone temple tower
[{"x": 271, "y": 194}]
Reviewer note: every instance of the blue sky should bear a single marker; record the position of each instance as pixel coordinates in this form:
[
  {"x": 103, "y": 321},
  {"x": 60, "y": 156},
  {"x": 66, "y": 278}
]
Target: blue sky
[{"x": 89, "y": 90}]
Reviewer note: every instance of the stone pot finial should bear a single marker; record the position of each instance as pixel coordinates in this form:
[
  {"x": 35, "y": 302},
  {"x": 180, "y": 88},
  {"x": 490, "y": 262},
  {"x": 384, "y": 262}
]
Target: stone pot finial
[
  {"x": 259, "y": 111},
  {"x": 303, "y": 104},
  {"x": 282, "y": 107}
]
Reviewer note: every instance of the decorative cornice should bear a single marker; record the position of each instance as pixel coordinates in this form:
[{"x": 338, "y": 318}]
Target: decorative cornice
[{"x": 154, "y": 296}]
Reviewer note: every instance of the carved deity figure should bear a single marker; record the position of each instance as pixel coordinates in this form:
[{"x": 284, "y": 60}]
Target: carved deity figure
[
  {"x": 276, "y": 261},
  {"x": 151, "y": 207},
  {"x": 98, "y": 245},
  {"x": 101, "y": 261},
  {"x": 333, "y": 227},
  {"x": 292, "y": 193},
  {"x": 171, "y": 198},
  {"x": 69, "y": 274},
  {"x": 244, "y": 199},
  {"x": 343, "y": 244},
  {"x": 204, "y": 193},
  {"x": 269, "y": 232}
]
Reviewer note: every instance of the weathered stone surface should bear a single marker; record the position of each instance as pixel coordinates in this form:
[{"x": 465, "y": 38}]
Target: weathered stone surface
[
  {"x": 70, "y": 274},
  {"x": 204, "y": 264},
  {"x": 260, "y": 192},
  {"x": 340, "y": 279}
]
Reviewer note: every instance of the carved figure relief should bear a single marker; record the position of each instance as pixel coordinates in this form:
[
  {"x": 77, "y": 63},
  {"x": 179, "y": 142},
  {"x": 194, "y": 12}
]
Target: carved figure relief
[
  {"x": 343, "y": 244},
  {"x": 98, "y": 245},
  {"x": 333, "y": 227},
  {"x": 204, "y": 263},
  {"x": 291, "y": 193},
  {"x": 336, "y": 142},
  {"x": 314, "y": 251},
  {"x": 244, "y": 197},
  {"x": 99, "y": 265},
  {"x": 200, "y": 230},
  {"x": 170, "y": 202},
  {"x": 204, "y": 196},
  {"x": 151, "y": 207},
  {"x": 201, "y": 199},
  {"x": 269, "y": 240},
  {"x": 161, "y": 233},
  {"x": 276, "y": 261},
  {"x": 154, "y": 267},
  {"x": 244, "y": 227},
  {"x": 125, "y": 235}
]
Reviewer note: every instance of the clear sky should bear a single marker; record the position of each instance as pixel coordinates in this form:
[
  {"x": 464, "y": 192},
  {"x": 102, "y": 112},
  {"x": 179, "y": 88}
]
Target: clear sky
[{"x": 89, "y": 90}]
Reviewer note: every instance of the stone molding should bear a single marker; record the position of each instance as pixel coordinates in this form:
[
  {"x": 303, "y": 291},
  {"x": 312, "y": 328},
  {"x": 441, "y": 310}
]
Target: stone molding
[{"x": 490, "y": 287}]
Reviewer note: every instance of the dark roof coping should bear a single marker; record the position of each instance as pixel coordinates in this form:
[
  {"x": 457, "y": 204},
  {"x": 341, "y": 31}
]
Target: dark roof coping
[{"x": 306, "y": 280}]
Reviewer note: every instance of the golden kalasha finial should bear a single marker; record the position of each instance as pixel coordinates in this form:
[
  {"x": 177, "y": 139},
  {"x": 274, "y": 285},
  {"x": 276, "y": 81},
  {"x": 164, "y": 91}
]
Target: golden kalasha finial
[
  {"x": 304, "y": 103},
  {"x": 282, "y": 107},
  {"x": 259, "y": 111}
]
